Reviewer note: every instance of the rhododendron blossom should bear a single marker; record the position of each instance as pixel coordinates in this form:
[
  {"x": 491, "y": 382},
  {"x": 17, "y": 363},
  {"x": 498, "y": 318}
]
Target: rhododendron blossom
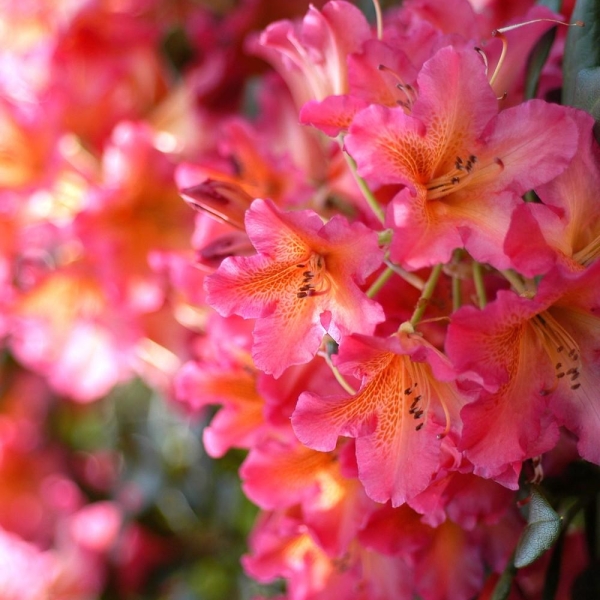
[
  {"x": 302, "y": 283},
  {"x": 343, "y": 264},
  {"x": 538, "y": 360},
  {"x": 463, "y": 164},
  {"x": 402, "y": 416},
  {"x": 312, "y": 55}
]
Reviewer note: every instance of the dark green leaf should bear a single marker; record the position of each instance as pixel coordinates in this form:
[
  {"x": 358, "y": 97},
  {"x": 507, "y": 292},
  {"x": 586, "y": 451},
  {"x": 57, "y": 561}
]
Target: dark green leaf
[
  {"x": 582, "y": 49},
  {"x": 587, "y": 94},
  {"x": 554, "y": 5},
  {"x": 537, "y": 60}
]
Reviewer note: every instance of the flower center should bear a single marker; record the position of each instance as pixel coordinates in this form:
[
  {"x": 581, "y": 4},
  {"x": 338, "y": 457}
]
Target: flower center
[
  {"x": 465, "y": 170},
  {"x": 418, "y": 391},
  {"x": 562, "y": 349},
  {"x": 589, "y": 254},
  {"x": 314, "y": 281}
]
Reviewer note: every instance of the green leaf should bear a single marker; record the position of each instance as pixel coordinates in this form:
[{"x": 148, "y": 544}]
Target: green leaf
[
  {"x": 504, "y": 585},
  {"x": 582, "y": 49},
  {"x": 587, "y": 95},
  {"x": 536, "y": 61},
  {"x": 554, "y": 5},
  {"x": 542, "y": 530}
]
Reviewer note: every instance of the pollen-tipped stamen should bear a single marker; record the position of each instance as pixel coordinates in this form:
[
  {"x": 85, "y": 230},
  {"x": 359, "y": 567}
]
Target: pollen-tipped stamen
[
  {"x": 378, "y": 19},
  {"x": 499, "y": 33},
  {"x": 408, "y": 90},
  {"x": 315, "y": 280},
  {"x": 589, "y": 254},
  {"x": 453, "y": 179},
  {"x": 562, "y": 349}
]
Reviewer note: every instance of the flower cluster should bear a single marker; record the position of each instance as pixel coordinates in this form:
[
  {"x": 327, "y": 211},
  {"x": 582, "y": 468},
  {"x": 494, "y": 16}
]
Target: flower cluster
[
  {"x": 423, "y": 336},
  {"x": 389, "y": 285}
]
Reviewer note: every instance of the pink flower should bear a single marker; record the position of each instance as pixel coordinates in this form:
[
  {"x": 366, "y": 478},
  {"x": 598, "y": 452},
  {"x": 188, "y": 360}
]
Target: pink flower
[
  {"x": 311, "y": 55},
  {"x": 463, "y": 165},
  {"x": 26, "y": 573},
  {"x": 240, "y": 421},
  {"x": 566, "y": 227},
  {"x": 399, "y": 416},
  {"x": 281, "y": 546},
  {"x": 302, "y": 283},
  {"x": 96, "y": 526},
  {"x": 538, "y": 362},
  {"x": 281, "y": 473}
]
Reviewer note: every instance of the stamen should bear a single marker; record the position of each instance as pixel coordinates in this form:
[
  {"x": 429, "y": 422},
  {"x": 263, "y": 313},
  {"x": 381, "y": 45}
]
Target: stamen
[
  {"x": 454, "y": 179},
  {"x": 378, "y": 19},
  {"x": 504, "y": 41},
  {"x": 589, "y": 254},
  {"x": 407, "y": 89},
  {"x": 484, "y": 58},
  {"x": 416, "y": 372},
  {"x": 558, "y": 343},
  {"x": 315, "y": 281},
  {"x": 499, "y": 33}
]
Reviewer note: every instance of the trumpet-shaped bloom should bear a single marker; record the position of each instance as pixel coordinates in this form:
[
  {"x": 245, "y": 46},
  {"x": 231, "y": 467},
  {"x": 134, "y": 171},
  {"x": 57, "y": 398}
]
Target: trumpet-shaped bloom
[
  {"x": 311, "y": 55},
  {"x": 399, "y": 416},
  {"x": 303, "y": 282},
  {"x": 464, "y": 165},
  {"x": 566, "y": 227},
  {"x": 282, "y": 473},
  {"x": 538, "y": 362}
]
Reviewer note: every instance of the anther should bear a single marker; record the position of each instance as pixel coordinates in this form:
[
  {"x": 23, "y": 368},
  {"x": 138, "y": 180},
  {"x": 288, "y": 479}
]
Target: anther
[{"x": 419, "y": 426}]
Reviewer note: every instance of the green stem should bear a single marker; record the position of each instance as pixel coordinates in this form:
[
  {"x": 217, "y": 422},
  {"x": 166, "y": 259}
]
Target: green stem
[
  {"x": 378, "y": 19},
  {"x": 456, "y": 293},
  {"x": 426, "y": 295},
  {"x": 380, "y": 282},
  {"x": 515, "y": 280},
  {"x": 411, "y": 278},
  {"x": 338, "y": 376},
  {"x": 479, "y": 286},
  {"x": 364, "y": 188}
]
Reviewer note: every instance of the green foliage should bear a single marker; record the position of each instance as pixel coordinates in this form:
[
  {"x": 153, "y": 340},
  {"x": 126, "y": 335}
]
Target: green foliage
[
  {"x": 581, "y": 65},
  {"x": 189, "y": 502},
  {"x": 543, "y": 528}
]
